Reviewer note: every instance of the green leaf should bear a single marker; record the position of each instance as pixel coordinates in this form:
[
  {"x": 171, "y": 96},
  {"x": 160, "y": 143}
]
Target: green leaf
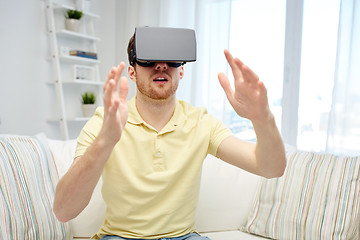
[
  {"x": 88, "y": 98},
  {"x": 75, "y": 14}
]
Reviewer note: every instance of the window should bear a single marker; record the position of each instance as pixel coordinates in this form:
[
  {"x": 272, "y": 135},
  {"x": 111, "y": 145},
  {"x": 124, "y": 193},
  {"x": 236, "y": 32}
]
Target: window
[
  {"x": 257, "y": 38},
  {"x": 318, "y": 58},
  {"x": 254, "y": 31}
]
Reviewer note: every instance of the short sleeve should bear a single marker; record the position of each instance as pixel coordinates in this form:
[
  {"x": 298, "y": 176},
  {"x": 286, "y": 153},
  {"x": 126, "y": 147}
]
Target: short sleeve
[{"x": 218, "y": 133}]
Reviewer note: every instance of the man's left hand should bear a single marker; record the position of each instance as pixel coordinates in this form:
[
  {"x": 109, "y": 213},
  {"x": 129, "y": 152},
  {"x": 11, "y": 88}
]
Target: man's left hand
[{"x": 249, "y": 99}]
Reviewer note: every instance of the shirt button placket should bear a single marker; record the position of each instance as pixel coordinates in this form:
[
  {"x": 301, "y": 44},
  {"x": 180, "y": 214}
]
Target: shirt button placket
[{"x": 158, "y": 155}]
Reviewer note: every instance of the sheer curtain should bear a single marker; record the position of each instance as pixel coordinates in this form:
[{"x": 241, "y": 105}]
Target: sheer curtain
[
  {"x": 255, "y": 35},
  {"x": 211, "y": 21},
  {"x": 254, "y": 31},
  {"x": 344, "y": 121}
]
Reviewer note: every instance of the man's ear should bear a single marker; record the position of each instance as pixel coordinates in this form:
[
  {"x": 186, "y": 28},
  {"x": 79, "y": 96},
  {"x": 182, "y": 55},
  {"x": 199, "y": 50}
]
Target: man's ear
[
  {"x": 181, "y": 72},
  {"x": 132, "y": 73}
]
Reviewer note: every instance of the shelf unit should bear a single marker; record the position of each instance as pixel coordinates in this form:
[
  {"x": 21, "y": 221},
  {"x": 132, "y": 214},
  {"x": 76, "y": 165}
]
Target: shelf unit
[{"x": 72, "y": 74}]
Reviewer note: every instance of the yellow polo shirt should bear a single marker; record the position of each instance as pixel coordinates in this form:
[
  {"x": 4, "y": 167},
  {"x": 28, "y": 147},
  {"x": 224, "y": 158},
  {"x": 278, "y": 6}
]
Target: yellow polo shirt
[{"x": 151, "y": 180}]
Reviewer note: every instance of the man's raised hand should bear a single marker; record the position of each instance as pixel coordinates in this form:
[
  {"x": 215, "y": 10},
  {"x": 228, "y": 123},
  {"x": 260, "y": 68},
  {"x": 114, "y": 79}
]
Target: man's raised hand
[
  {"x": 115, "y": 104},
  {"x": 249, "y": 99}
]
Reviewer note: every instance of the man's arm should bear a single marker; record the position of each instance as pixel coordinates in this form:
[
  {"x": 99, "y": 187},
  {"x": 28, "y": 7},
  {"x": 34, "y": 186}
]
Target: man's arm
[
  {"x": 249, "y": 100},
  {"x": 265, "y": 158},
  {"x": 75, "y": 188}
]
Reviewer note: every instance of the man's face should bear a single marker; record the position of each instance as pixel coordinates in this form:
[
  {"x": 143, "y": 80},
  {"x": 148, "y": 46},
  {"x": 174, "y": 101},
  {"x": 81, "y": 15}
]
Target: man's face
[{"x": 158, "y": 82}]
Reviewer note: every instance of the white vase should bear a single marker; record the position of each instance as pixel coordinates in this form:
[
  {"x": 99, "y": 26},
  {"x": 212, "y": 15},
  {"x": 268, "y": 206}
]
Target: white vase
[
  {"x": 88, "y": 110},
  {"x": 72, "y": 24}
]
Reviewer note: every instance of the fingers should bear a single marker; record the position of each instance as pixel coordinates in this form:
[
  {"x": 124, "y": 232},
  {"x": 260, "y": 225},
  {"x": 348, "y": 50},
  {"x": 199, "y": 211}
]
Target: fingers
[
  {"x": 234, "y": 68},
  {"x": 111, "y": 75},
  {"x": 247, "y": 73},
  {"x": 262, "y": 89},
  {"x": 124, "y": 88},
  {"x": 111, "y": 94},
  {"x": 240, "y": 71},
  {"x": 112, "y": 97},
  {"x": 225, "y": 84},
  {"x": 108, "y": 89},
  {"x": 118, "y": 73},
  {"x": 114, "y": 73}
]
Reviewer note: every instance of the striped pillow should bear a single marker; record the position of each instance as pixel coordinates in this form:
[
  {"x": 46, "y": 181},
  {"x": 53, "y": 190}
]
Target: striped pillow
[
  {"x": 28, "y": 177},
  {"x": 318, "y": 197}
]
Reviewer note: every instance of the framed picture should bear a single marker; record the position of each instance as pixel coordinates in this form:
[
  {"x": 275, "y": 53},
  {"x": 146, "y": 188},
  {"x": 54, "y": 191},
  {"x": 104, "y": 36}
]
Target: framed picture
[{"x": 84, "y": 73}]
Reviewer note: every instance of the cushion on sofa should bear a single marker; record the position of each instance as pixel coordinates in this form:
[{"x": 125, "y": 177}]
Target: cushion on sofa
[
  {"x": 28, "y": 177},
  {"x": 226, "y": 195},
  {"x": 318, "y": 197}
]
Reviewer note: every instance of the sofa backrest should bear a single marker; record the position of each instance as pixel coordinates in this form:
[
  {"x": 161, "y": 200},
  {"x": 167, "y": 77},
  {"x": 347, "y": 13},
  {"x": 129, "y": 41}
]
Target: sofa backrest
[{"x": 88, "y": 222}]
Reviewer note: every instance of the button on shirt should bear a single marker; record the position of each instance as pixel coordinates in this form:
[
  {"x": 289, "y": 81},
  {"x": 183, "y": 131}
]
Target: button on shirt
[{"x": 151, "y": 180}]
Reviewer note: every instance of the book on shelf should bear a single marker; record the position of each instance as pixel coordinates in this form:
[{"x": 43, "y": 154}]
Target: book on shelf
[{"x": 85, "y": 54}]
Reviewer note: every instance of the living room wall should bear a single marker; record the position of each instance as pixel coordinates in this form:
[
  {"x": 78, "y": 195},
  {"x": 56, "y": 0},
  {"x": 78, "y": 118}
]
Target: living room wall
[{"x": 26, "y": 100}]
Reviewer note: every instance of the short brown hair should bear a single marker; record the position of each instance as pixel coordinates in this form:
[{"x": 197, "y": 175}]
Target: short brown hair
[{"x": 130, "y": 47}]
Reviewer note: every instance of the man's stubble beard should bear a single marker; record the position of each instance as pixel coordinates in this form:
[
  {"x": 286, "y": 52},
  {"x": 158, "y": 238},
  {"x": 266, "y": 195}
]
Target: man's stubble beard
[{"x": 157, "y": 94}]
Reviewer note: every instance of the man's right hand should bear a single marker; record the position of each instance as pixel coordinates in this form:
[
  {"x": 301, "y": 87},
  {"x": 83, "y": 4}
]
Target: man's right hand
[{"x": 115, "y": 104}]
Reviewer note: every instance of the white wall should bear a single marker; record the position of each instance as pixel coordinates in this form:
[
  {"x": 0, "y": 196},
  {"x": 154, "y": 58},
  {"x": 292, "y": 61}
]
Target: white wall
[{"x": 26, "y": 100}]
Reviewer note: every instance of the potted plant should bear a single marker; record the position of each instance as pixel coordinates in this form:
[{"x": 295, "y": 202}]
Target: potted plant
[
  {"x": 88, "y": 106},
  {"x": 72, "y": 19}
]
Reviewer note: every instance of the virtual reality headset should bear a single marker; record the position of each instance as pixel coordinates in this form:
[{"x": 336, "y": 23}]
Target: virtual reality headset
[{"x": 175, "y": 46}]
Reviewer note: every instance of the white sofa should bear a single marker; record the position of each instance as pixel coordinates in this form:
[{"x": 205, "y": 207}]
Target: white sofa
[
  {"x": 224, "y": 190},
  {"x": 317, "y": 198}
]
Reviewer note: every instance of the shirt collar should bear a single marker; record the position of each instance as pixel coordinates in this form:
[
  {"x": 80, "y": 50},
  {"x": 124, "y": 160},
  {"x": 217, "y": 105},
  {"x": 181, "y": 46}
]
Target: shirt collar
[
  {"x": 177, "y": 119},
  {"x": 133, "y": 115}
]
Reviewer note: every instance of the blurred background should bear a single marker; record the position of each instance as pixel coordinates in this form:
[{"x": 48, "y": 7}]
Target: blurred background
[{"x": 305, "y": 51}]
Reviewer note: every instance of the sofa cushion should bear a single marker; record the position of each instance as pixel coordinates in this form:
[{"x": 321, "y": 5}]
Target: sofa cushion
[
  {"x": 231, "y": 235},
  {"x": 28, "y": 177},
  {"x": 226, "y": 195},
  {"x": 318, "y": 197}
]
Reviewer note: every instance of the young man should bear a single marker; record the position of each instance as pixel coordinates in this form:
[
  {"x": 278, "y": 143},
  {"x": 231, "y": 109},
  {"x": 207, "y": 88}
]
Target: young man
[{"x": 150, "y": 150}]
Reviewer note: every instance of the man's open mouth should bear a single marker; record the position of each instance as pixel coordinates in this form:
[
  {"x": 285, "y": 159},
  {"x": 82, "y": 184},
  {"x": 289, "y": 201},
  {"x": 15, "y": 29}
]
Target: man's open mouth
[{"x": 160, "y": 79}]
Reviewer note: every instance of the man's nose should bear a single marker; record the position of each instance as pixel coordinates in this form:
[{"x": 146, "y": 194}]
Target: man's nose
[{"x": 161, "y": 66}]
